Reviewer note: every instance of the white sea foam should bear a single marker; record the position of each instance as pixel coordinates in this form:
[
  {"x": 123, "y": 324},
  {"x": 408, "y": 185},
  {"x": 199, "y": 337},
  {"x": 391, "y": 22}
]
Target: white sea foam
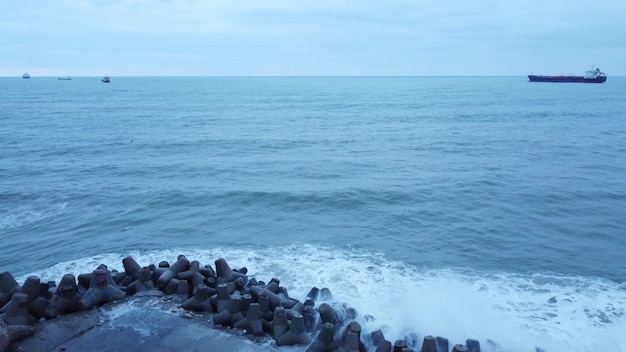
[
  {"x": 27, "y": 212},
  {"x": 518, "y": 312}
]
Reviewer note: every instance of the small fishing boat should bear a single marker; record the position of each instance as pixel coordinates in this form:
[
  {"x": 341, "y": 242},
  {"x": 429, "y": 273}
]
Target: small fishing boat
[
  {"x": 66, "y": 78},
  {"x": 26, "y": 75},
  {"x": 106, "y": 79}
]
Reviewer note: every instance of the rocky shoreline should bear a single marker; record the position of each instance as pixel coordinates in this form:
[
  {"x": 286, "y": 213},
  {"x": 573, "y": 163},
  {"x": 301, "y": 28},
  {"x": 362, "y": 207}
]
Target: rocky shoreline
[{"x": 225, "y": 298}]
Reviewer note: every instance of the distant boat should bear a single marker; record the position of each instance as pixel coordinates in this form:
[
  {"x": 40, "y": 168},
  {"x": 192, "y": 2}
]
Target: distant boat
[
  {"x": 591, "y": 76},
  {"x": 106, "y": 79},
  {"x": 67, "y": 78},
  {"x": 26, "y": 75}
]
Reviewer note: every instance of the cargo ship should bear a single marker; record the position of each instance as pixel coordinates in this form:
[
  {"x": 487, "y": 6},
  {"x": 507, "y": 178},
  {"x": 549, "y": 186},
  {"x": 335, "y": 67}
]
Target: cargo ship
[{"x": 591, "y": 76}]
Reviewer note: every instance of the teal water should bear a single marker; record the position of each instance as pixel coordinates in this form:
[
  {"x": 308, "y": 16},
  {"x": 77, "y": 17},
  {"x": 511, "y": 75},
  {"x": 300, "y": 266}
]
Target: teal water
[{"x": 479, "y": 197}]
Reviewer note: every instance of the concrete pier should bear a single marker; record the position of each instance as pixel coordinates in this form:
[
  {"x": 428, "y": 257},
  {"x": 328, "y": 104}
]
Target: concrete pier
[{"x": 185, "y": 306}]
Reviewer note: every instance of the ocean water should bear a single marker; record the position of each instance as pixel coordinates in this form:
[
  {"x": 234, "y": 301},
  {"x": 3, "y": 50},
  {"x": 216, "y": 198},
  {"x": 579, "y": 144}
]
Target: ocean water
[{"x": 466, "y": 207}]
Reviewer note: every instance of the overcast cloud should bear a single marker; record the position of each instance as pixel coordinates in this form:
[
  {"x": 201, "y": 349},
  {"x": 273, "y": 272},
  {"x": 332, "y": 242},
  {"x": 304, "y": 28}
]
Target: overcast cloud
[{"x": 309, "y": 37}]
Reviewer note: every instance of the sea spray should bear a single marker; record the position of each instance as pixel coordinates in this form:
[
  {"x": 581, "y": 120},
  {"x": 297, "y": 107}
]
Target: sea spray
[{"x": 515, "y": 312}]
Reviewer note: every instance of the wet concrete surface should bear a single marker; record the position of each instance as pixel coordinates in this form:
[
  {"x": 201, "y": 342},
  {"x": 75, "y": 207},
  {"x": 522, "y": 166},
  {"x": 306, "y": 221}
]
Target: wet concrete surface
[{"x": 150, "y": 324}]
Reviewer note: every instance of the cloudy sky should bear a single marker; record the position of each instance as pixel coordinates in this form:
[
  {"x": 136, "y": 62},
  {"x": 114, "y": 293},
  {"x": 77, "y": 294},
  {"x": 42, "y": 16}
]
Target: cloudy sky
[{"x": 311, "y": 37}]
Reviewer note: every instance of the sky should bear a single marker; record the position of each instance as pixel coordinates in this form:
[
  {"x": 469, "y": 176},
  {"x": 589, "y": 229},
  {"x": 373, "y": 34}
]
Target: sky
[{"x": 311, "y": 37}]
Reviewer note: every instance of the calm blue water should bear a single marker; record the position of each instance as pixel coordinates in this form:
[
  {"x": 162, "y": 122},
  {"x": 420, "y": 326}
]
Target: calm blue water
[{"x": 452, "y": 206}]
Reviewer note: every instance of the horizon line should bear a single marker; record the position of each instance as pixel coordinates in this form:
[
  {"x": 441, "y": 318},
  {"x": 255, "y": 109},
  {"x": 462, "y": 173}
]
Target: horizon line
[{"x": 260, "y": 76}]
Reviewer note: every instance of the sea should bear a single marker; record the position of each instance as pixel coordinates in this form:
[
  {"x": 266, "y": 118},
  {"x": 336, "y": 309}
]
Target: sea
[{"x": 488, "y": 208}]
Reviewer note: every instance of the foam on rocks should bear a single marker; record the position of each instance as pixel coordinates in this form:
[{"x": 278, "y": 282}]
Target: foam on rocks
[{"x": 229, "y": 298}]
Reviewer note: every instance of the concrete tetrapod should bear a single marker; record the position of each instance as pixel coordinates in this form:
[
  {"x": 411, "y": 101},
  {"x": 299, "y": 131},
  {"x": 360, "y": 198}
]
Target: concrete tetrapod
[
  {"x": 32, "y": 287},
  {"x": 65, "y": 299},
  {"x": 459, "y": 348},
  {"x": 313, "y": 294},
  {"x": 254, "y": 325},
  {"x": 8, "y": 286},
  {"x": 12, "y": 333},
  {"x": 328, "y": 314},
  {"x": 442, "y": 344},
  {"x": 384, "y": 346},
  {"x": 324, "y": 341},
  {"x": 222, "y": 298},
  {"x": 143, "y": 283},
  {"x": 296, "y": 335},
  {"x": 226, "y": 274},
  {"x": 100, "y": 290},
  {"x": 274, "y": 300},
  {"x": 200, "y": 301},
  {"x": 472, "y": 345},
  {"x": 182, "y": 264},
  {"x": 280, "y": 324},
  {"x": 377, "y": 336},
  {"x": 132, "y": 270},
  {"x": 352, "y": 338},
  {"x": 16, "y": 311},
  {"x": 429, "y": 344},
  {"x": 232, "y": 315},
  {"x": 399, "y": 346}
]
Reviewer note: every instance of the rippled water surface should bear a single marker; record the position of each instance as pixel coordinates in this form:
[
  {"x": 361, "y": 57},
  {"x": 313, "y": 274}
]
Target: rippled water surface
[{"x": 510, "y": 192}]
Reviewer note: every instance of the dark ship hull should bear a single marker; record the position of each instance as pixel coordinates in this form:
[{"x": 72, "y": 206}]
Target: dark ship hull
[{"x": 567, "y": 79}]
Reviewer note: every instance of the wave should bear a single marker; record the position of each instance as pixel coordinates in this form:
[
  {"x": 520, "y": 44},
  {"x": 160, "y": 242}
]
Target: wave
[
  {"x": 23, "y": 208},
  {"x": 517, "y": 312},
  {"x": 412, "y": 224}
]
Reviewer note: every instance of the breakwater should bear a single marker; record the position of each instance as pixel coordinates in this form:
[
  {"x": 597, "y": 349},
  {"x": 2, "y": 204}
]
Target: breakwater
[{"x": 229, "y": 296}]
